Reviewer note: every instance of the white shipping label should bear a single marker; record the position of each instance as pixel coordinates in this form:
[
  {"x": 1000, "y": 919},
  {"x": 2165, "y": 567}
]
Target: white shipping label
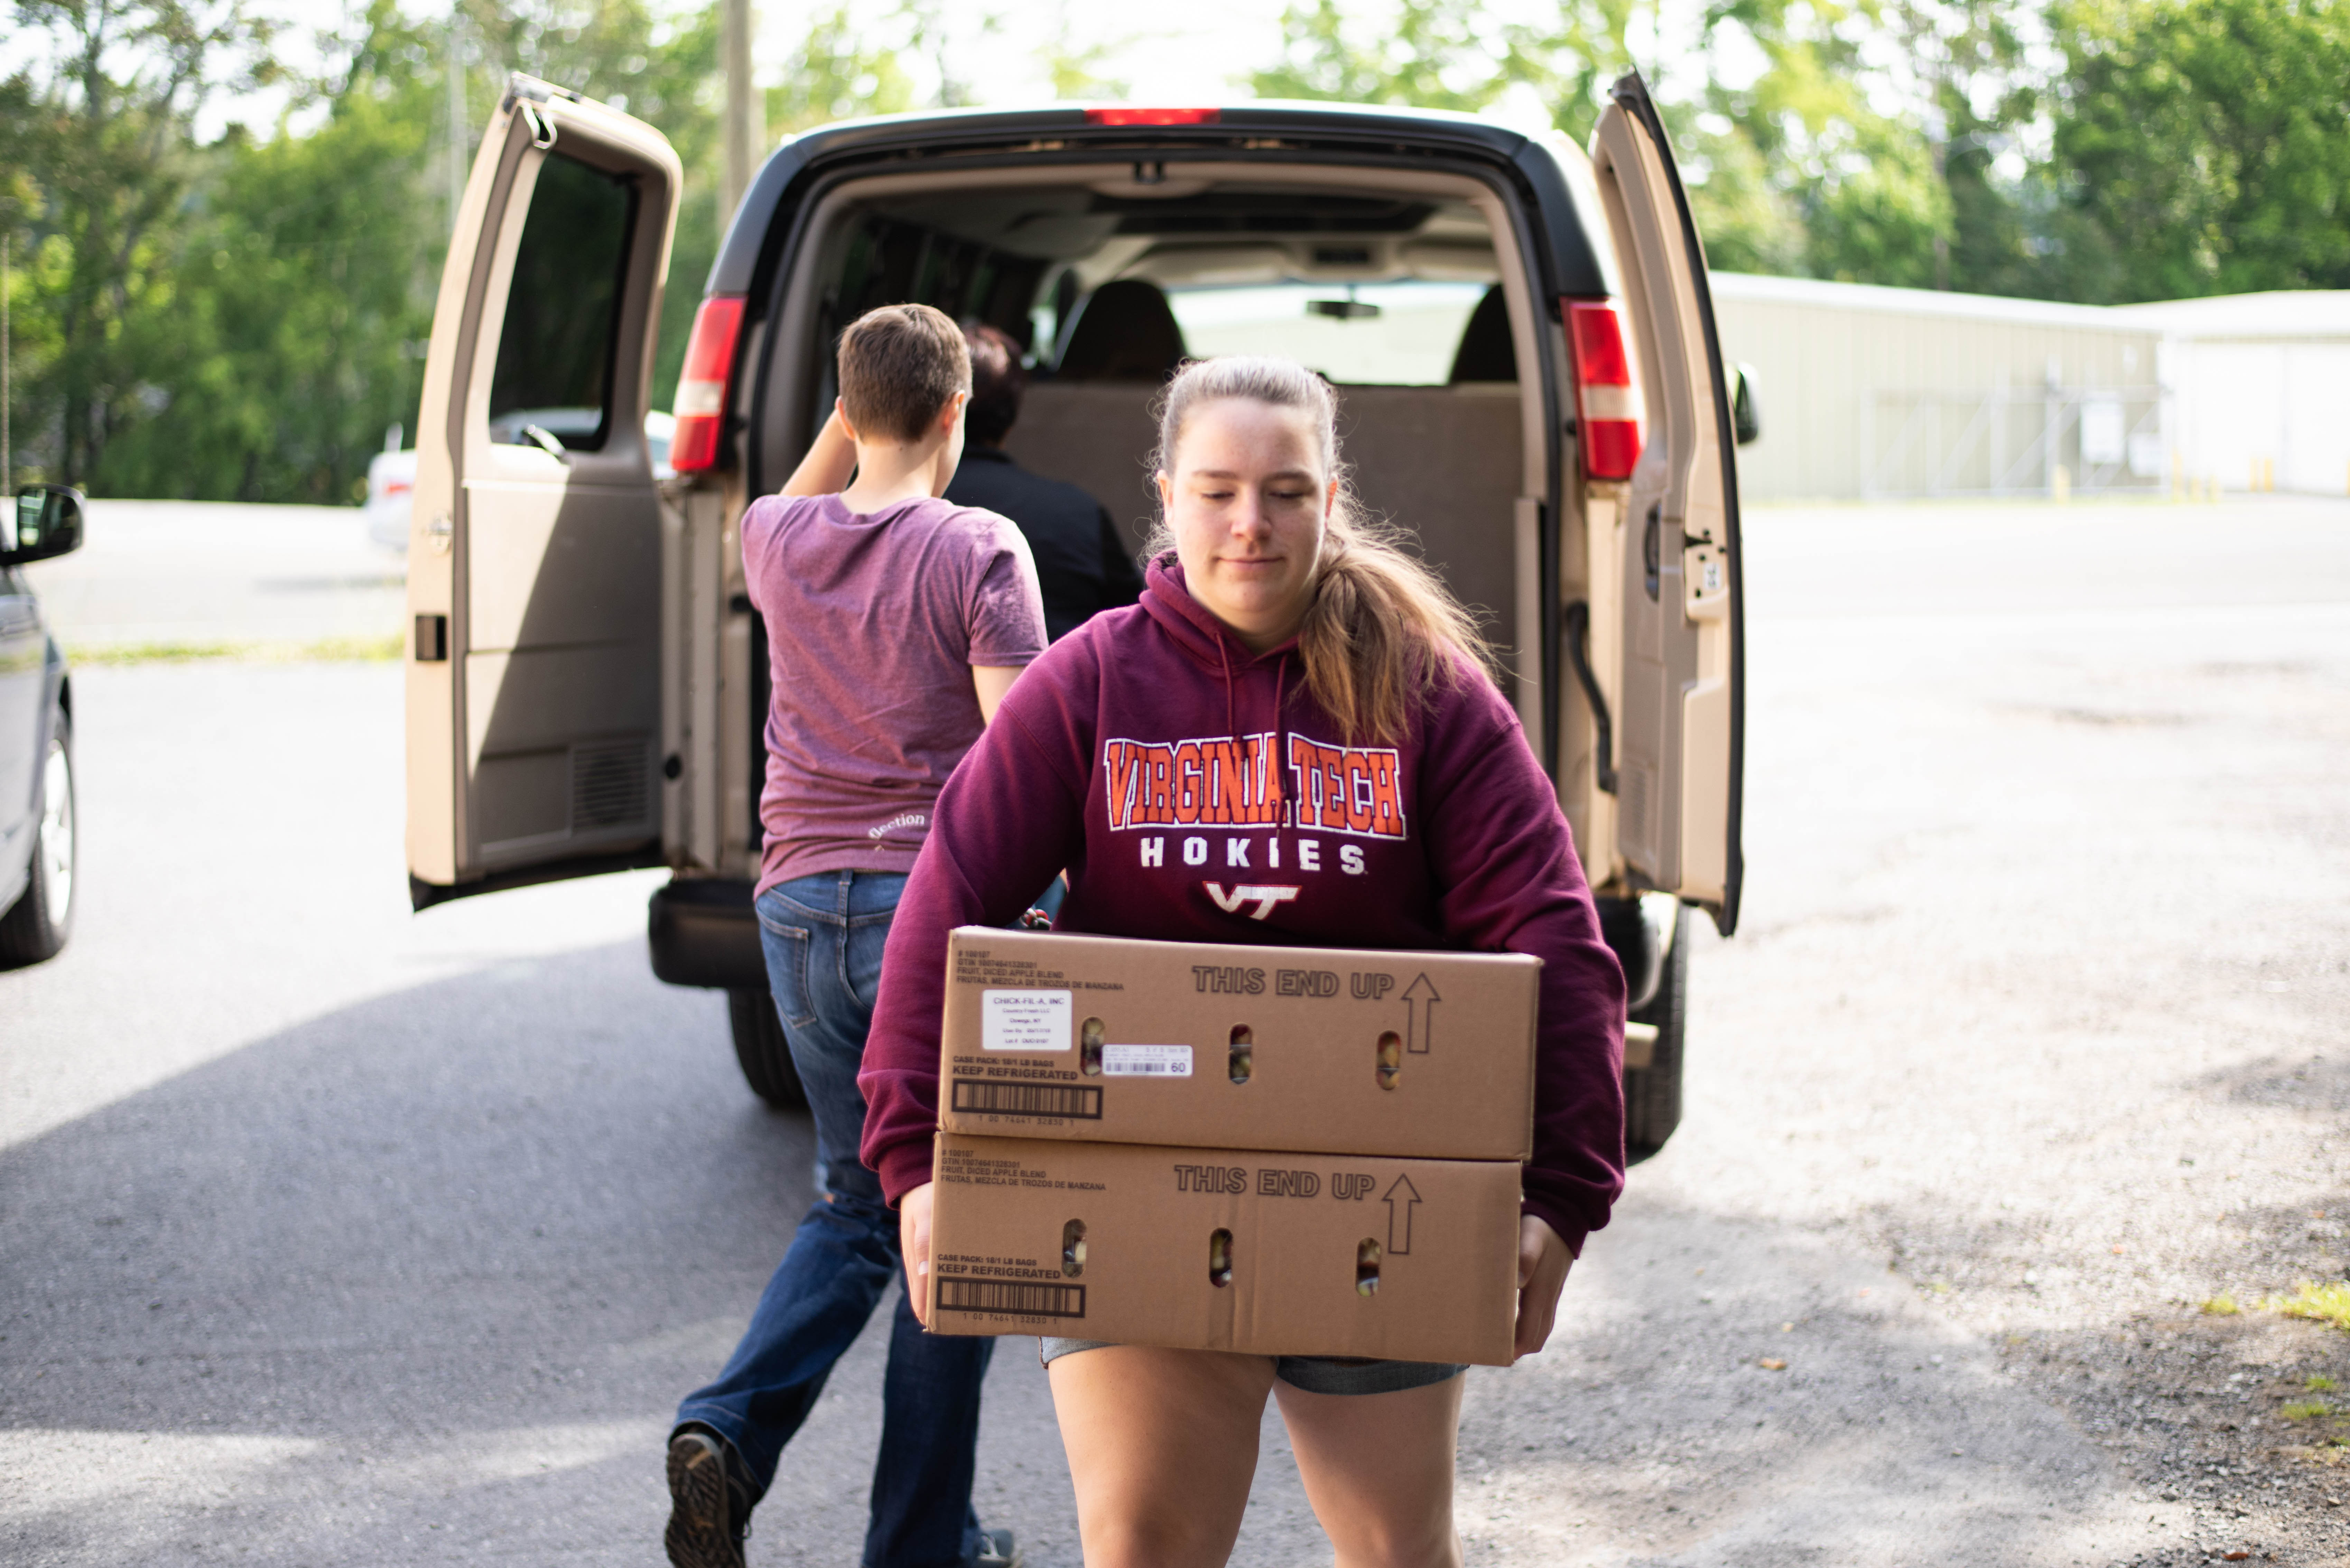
[
  {"x": 1024, "y": 1020},
  {"x": 1146, "y": 1061}
]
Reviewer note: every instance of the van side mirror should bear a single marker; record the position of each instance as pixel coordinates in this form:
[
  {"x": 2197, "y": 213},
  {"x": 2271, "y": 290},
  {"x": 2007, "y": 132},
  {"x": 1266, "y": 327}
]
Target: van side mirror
[
  {"x": 1745, "y": 418},
  {"x": 47, "y": 523}
]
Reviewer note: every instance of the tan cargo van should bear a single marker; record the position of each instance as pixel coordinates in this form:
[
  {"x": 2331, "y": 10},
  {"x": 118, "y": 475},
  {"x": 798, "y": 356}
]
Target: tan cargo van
[{"x": 1522, "y": 336}]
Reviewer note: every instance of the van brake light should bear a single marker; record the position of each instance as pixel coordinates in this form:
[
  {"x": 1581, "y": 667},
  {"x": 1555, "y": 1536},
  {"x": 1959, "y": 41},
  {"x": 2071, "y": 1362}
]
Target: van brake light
[
  {"x": 1606, "y": 402},
  {"x": 703, "y": 385},
  {"x": 1153, "y": 115}
]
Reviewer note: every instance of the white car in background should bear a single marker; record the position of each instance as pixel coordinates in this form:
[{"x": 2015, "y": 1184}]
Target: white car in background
[{"x": 391, "y": 473}]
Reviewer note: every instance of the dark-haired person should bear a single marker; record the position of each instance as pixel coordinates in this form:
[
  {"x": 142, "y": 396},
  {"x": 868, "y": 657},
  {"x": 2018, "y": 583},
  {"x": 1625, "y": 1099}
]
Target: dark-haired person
[
  {"x": 895, "y": 623},
  {"x": 1083, "y": 562},
  {"x": 1278, "y": 631}
]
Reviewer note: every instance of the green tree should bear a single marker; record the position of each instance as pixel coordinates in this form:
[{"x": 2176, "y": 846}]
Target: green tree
[
  {"x": 1075, "y": 69},
  {"x": 1750, "y": 224},
  {"x": 1861, "y": 185},
  {"x": 97, "y": 132},
  {"x": 838, "y": 73},
  {"x": 2207, "y": 143},
  {"x": 1448, "y": 54},
  {"x": 1426, "y": 54},
  {"x": 303, "y": 290}
]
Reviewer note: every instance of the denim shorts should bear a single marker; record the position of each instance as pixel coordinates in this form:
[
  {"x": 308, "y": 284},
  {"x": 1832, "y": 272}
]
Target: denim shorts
[{"x": 1313, "y": 1374}]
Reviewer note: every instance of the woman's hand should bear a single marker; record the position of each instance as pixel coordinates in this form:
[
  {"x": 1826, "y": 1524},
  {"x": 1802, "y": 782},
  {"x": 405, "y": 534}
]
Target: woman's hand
[
  {"x": 914, "y": 1246},
  {"x": 1542, "y": 1263}
]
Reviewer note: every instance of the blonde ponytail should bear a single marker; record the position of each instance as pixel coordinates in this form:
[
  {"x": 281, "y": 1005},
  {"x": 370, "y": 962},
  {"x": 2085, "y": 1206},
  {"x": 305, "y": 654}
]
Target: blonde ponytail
[{"x": 1383, "y": 633}]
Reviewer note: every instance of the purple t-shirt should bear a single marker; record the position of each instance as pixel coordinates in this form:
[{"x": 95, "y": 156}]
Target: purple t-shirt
[{"x": 873, "y": 624}]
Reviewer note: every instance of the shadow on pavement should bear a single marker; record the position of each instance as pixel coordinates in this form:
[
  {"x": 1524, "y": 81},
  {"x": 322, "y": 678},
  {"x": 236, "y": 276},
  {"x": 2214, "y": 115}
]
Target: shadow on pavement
[{"x": 389, "y": 1276}]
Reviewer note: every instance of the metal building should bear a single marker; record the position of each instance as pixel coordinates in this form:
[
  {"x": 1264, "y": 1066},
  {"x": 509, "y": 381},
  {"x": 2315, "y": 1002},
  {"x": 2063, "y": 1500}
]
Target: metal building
[
  {"x": 1868, "y": 391},
  {"x": 2259, "y": 387}
]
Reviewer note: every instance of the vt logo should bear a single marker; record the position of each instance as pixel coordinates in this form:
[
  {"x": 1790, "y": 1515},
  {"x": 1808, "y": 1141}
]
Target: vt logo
[{"x": 1264, "y": 897}]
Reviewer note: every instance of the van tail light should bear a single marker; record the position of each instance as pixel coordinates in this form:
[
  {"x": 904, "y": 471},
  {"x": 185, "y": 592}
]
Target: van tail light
[
  {"x": 1607, "y": 404},
  {"x": 702, "y": 386}
]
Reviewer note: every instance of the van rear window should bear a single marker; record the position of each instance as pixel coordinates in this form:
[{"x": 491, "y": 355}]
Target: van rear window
[{"x": 1395, "y": 334}]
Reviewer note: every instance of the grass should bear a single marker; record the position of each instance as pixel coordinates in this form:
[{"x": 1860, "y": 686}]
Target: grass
[
  {"x": 2305, "y": 1410},
  {"x": 2320, "y": 1304},
  {"x": 325, "y": 649},
  {"x": 2320, "y": 1384},
  {"x": 2222, "y": 1305}
]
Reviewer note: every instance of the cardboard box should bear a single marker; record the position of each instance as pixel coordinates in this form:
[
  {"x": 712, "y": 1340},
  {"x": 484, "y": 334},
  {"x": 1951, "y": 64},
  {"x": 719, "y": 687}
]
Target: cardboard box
[
  {"x": 1409, "y": 1260},
  {"x": 1429, "y": 1055}
]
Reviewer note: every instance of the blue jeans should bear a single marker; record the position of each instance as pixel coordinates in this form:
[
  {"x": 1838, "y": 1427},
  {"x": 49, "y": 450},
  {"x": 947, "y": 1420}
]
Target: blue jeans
[{"x": 823, "y": 937}]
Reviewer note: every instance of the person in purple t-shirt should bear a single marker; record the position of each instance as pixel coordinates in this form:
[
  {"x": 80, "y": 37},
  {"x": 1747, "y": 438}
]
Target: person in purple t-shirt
[{"x": 896, "y": 622}]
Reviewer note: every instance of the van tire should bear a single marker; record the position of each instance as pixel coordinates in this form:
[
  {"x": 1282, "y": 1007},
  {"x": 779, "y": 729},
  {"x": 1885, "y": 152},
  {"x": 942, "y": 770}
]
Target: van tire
[
  {"x": 37, "y": 924},
  {"x": 764, "y": 1053},
  {"x": 1652, "y": 1095}
]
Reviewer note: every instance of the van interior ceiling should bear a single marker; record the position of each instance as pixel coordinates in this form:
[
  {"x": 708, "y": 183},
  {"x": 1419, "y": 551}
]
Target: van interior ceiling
[{"x": 1396, "y": 297}]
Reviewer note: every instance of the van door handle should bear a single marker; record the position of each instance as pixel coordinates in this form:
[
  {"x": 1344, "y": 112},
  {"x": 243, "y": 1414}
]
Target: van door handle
[{"x": 547, "y": 442}]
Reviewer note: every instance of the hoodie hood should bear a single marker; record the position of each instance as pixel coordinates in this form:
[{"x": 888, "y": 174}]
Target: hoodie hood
[
  {"x": 1198, "y": 633},
  {"x": 1212, "y": 644}
]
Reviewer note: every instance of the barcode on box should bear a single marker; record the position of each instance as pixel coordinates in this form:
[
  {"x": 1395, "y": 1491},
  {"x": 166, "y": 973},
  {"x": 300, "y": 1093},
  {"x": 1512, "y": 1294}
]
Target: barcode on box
[
  {"x": 1021, "y": 1298},
  {"x": 1145, "y": 1062},
  {"x": 1079, "y": 1100}
]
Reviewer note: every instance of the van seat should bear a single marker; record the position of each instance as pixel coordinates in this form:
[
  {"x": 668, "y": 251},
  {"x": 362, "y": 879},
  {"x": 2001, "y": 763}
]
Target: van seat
[
  {"x": 1487, "y": 351},
  {"x": 1124, "y": 331}
]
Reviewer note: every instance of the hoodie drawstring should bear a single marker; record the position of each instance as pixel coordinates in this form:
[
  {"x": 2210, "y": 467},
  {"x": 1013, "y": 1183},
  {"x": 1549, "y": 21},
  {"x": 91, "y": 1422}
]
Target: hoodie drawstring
[
  {"x": 1280, "y": 709},
  {"x": 1232, "y": 723},
  {"x": 1280, "y": 717}
]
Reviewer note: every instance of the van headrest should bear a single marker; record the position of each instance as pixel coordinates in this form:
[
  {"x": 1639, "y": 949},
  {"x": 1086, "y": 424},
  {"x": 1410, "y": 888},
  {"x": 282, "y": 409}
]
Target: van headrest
[
  {"x": 1124, "y": 331},
  {"x": 1487, "y": 351}
]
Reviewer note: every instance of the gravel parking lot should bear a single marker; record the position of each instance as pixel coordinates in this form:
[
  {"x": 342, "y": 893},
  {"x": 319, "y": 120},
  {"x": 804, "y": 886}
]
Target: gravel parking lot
[{"x": 332, "y": 1233}]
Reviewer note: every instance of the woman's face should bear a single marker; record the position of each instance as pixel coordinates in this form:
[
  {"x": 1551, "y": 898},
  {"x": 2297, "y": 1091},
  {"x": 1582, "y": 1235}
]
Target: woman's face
[{"x": 1247, "y": 501}]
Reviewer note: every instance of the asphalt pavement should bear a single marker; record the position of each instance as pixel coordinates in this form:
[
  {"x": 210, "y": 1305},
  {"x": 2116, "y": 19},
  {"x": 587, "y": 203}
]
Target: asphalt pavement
[
  {"x": 333, "y": 1233},
  {"x": 154, "y": 576}
]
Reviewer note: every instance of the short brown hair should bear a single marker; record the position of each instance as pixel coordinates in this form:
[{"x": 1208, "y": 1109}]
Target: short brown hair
[
  {"x": 899, "y": 364},
  {"x": 997, "y": 383}
]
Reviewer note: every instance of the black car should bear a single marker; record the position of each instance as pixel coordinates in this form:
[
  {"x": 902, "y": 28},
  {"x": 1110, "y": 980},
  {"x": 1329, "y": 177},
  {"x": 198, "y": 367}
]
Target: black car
[{"x": 37, "y": 788}]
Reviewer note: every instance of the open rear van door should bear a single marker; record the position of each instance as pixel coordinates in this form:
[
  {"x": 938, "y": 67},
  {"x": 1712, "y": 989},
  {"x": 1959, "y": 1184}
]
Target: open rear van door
[
  {"x": 1681, "y": 732},
  {"x": 535, "y": 554}
]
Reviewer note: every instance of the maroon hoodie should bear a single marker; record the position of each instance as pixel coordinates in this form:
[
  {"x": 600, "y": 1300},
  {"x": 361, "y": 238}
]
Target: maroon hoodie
[{"x": 1194, "y": 792}]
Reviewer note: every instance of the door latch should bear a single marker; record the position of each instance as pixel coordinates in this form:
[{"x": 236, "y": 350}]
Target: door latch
[
  {"x": 1579, "y": 654},
  {"x": 1652, "y": 559},
  {"x": 1705, "y": 580},
  {"x": 437, "y": 533}
]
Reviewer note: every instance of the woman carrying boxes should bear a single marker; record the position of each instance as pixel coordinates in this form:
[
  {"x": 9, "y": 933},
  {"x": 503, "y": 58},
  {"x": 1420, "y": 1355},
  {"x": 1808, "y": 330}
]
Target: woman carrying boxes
[{"x": 1293, "y": 740}]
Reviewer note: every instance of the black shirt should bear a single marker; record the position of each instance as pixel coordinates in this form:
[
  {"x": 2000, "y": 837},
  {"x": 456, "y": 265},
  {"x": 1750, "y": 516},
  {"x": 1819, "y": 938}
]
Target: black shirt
[{"x": 1083, "y": 562}]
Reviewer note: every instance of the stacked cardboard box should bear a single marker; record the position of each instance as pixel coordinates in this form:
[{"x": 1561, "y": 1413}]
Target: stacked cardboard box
[{"x": 1276, "y": 1150}]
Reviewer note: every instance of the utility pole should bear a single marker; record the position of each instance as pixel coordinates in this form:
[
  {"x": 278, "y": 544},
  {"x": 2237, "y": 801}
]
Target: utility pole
[
  {"x": 745, "y": 129},
  {"x": 8, "y": 392},
  {"x": 457, "y": 126}
]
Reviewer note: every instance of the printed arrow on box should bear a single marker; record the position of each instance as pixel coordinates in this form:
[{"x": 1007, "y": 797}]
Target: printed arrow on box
[
  {"x": 1420, "y": 1000},
  {"x": 1410, "y": 1198}
]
